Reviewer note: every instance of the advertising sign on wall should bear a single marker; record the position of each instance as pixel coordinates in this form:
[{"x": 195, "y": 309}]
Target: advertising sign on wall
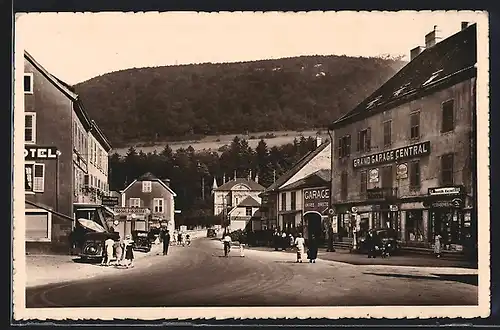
[
  {"x": 394, "y": 155},
  {"x": 373, "y": 175},
  {"x": 402, "y": 171},
  {"x": 316, "y": 199},
  {"x": 39, "y": 153},
  {"x": 335, "y": 224}
]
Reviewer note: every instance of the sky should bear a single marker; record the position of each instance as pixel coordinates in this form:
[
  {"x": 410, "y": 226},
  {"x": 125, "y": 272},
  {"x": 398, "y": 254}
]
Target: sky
[{"x": 78, "y": 46}]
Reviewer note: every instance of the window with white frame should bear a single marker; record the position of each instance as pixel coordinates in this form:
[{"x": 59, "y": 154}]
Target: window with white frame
[
  {"x": 28, "y": 83},
  {"x": 34, "y": 177},
  {"x": 158, "y": 205},
  {"x": 30, "y": 127},
  {"x": 38, "y": 226},
  {"x": 146, "y": 186},
  {"x": 134, "y": 202}
]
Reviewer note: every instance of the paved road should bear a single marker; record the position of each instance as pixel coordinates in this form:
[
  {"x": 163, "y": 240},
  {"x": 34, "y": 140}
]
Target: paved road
[{"x": 200, "y": 276}]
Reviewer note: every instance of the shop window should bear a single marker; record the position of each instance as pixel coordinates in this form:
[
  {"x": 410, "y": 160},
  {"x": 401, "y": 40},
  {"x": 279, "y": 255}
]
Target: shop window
[
  {"x": 134, "y": 202},
  {"x": 363, "y": 182},
  {"x": 387, "y": 133},
  {"x": 28, "y": 83},
  {"x": 293, "y": 200},
  {"x": 414, "y": 226},
  {"x": 364, "y": 140},
  {"x": 343, "y": 185},
  {"x": 248, "y": 211},
  {"x": 448, "y": 122},
  {"x": 447, "y": 169},
  {"x": 158, "y": 205},
  {"x": 415, "y": 125},
  {"x": 146, "y": 186},
  {"x": 38, "y": 226},
  {"x": 30, "y": 127},
  {"x": 414, "y": 174},
  {"x": 344, "y": 147},
  {"x": 34, "y": 178},
  {"x": 283, "y": 201}
]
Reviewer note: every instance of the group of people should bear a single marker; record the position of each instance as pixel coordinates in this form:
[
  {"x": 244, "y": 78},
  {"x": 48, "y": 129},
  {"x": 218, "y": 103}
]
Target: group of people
[
  {"x": 301, "y": 246},
  {"x": 118, "y": 252}
]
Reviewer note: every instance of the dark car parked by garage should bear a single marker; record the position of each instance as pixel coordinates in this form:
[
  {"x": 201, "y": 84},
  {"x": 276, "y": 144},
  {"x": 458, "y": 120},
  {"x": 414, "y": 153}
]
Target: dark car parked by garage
[{"x": 93, "y": 245}]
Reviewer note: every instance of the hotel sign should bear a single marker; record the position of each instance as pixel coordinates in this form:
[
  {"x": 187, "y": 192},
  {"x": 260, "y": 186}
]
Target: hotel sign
[
  {"x": 131, "y": 210},
  {"x": 316, "y": 199},
  {"x": 39, "y": 153},
  {"x": 110, "y": 201},
  {"x": 394, "y": 155}
]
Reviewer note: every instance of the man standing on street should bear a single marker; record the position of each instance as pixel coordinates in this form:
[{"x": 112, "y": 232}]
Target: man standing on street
[{"x": 166, "y": 242}]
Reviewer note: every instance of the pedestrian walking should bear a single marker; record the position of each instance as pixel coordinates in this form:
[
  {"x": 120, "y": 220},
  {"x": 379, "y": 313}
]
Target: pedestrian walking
[
  {"x": 129, "y": 251},
  {"x": 300, "y": 246},
  {"x": 313, "y": 249},
  {"x": 227, "y": 244},
  {"x": 242, "y": 250},
  {"x": 284, "y": 241},
  {"x": 108, "y": 251},
  {"x": 276, "y": 236},
  {"x": 179, "y": 238},
  {"x": 166, "y": 242},
  {"x": 291, "y": 240},
  {"x": 437, "y": 245},
  {"x": 119, "y": 251}
]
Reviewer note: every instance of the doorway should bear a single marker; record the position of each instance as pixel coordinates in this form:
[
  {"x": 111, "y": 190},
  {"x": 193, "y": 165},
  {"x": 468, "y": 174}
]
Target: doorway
[{"x": 313, "y": 225}]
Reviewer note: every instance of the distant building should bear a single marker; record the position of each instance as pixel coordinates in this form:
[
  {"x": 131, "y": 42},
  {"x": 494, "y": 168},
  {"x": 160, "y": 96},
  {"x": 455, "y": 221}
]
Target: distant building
[
  {"x": 404, "y": 158},
  {"x": 283, "y": 201},
  {"x": 147, "y": 202},
  {"x": 238, "y": 201},
  {"x": 56, "y": 136}
]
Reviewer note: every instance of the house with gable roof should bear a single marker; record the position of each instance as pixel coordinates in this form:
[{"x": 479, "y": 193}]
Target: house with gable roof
[
  {"x": 285, "y": 202},
  {"x": 405, "y": 157},
  {"x": 238, "y": 202},
  {"x": 147, "y": 202},
  {"x": 65, "y": 179}
]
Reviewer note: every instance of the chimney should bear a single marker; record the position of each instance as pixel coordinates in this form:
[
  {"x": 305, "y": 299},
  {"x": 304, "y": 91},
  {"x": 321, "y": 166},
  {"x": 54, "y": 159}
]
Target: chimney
[
  {"x": 416, "y": 51},
  {"x": 318, "y": 140},
  {"x": 464, "y": 25},
  {"x": 433, "y": 37}
]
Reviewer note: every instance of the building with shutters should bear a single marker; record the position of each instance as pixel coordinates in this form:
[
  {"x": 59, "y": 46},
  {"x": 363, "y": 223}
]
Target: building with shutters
[
  {"x": 237, "y": 201},
  {"x": 147, "y": 202},
  {"x": 283, "y": 201},
  {"x": 404, "y": 158},
  {"x": 65, "y": 161}
]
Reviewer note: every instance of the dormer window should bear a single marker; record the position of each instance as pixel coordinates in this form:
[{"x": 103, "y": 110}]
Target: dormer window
[
  {"x": 432, "y": 77},
  {"x": 146, "y": 186},
  {"x": 373, "y": 102},
  {"x": 400, "y": 90}
]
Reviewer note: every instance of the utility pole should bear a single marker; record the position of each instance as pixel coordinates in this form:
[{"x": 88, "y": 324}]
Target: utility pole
[
  {"x": 274, "y": 175},
  {"x": 202, "y": 187}
]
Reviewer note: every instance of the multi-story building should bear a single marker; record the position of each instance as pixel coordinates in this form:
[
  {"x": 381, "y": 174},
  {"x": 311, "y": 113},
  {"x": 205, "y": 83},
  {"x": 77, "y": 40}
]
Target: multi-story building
[
  {"x": 282, "y": 201},
  {"x": 146, "y": 202},
  {"x": 232, "y": 197},
  {"x": 404, "y": 158},
  {"x": 56, "y": 161}
]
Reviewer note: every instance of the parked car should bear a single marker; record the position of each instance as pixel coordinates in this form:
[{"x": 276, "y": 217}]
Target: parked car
[
  {"x": 141, "y": 240},
  {"x": 388, "y": 238},
  {"x": 211, "y": 233},
  {"x": 93, "y": 245}
]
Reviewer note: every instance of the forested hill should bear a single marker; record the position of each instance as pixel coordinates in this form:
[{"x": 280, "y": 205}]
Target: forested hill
[{"x": 185, "y": 101}]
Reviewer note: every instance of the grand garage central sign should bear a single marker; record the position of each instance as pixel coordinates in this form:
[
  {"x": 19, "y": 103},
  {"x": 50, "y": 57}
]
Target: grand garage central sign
[
  {"x": 316, "y": 199},
  {"x": 394, "y": 155}
]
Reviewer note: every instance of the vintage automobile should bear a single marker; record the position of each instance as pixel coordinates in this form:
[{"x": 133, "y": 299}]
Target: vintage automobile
[
  {"x": 211, "y": 233},
  {"x": 93, "y": 245},
  {"x": 388, "y": 239},
  {"x": 141, "y": 240}
]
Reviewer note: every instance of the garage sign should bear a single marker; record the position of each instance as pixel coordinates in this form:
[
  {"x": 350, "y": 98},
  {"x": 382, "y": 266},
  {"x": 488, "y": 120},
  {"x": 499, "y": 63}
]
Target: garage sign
[{"x": 316, "y": 199}]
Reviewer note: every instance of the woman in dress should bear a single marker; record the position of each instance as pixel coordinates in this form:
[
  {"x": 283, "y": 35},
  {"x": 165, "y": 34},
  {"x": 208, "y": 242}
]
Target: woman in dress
[
  {"x": 119, "y": 251},
  {"x": 313, "y": 249},
  {"x": 300, "y": 246},
  {"x": 437, "y": 245},
  {"x": 129, "y": 251}
]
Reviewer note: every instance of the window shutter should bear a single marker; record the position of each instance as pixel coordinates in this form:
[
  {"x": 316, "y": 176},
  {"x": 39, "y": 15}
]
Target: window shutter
[
  {"x": 368, "y": 138},
  {"x": 339, "y": 148},
  {"x": 358, "y": 142},
  {"x": 348, "y": 147},
  {"x": 39, "y": 178}
]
